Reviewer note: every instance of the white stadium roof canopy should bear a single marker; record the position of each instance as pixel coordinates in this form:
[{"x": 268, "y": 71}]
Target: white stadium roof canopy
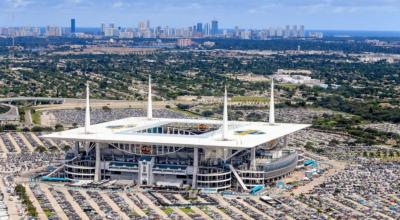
[
  {"x": 224, "y": 134},
  {"x": 240, "y": 134}
]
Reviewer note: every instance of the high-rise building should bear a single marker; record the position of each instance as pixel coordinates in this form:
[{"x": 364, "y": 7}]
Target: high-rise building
[
  {"x": 103, "y": 27},
  {"x": 214, "y": 27},
  {"x": 301, "y": 31},
  {"x": 148, "y": 24},
  {"x": 73, "y": 28},
  {"x": 199, "y": 27},
  {"x": 53, "y": 31},
  {"x": 207, "y": 30},
  {"x": 287, "y": 31},
  {"x": 109, "y": 32},
  {"x": 295, "y": 33},
  {"x": 237, "y": 32},
  {"x": 142, "y": 26}
]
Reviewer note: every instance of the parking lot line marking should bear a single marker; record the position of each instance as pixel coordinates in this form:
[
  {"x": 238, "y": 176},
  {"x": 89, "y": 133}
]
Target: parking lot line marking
[
  {"x": 195, "y": 209},
  {"x": 226, "y": 204},
  {"x": 74, "y": 204},
  {"x": 177, "y": 210},
  {"x": 26, "y": 142},
  {"x": 151, "y": 204},
  {"x": 35, "y": 202},
  {"x": 132, "y": 205},
  {"x": 37, "y": 140},
  {"x": 254, "y": 209},
  {"x": 92, "y": 203},
  {"x": 3, "y": 146},
  {"x": 215, "y": 209},
  {"x": 14, "y": 143},
  {"x": 59, "y": 211},
  {"x": 114, "y": 206}
]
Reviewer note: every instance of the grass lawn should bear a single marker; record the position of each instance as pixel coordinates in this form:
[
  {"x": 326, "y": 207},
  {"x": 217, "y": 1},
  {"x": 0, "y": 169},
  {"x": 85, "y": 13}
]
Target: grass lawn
[
  {"x": 288, "y": 85},
  {"x": 168, "y": 211},
  {"x": 48, "y": 212},
  {"x": 249, "y": 99},
  {"x": 187, "y": 210},
  {"x": 36, "y": 117}
]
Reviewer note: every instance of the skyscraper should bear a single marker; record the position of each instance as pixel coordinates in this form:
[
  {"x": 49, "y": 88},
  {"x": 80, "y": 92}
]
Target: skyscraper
[
  {"x": 103, "y": 28},
  {"x": 207, "y": 29},
  {"x": 199, "y": 27},
  {"x": 148, "y": 24},
  {"x": 142, "y": 26},
  {"x": 302, "y": 33},
  {"x": 73, "y": 30},
  {"x": 287, "y": 31},
  {"x": 295, "y": 33},
  {"x": 214, "y": 27}
]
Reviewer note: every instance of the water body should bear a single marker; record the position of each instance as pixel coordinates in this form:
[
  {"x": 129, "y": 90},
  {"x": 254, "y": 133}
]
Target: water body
[{"x": 350, "y": 33}]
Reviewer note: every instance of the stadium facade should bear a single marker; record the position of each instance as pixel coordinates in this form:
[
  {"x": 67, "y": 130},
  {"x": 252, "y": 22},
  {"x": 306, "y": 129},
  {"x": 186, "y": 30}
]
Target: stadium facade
[{"x": 211, "y": 155}]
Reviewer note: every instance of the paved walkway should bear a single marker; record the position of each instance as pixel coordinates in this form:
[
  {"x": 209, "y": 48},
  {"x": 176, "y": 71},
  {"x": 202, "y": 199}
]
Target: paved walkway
[
  {"x": 151, "y": 205},
  {"x": 74, "y": 204},
  {"x": 26, "y": 142},
  {"x": 92, "y": 203},
  {"x": 14, "y": 143},
  {"x": 132, "y": 205},
  {"x": 28, "y": 117},
  {"x": 32, "y": 197},
  {"x": 59, "y": 211},
  {"x": 336, "y": 167},
  {"x": 114, "y": 206}
]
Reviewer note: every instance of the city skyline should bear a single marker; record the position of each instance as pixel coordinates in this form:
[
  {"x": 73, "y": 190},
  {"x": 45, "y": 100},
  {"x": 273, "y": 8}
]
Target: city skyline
[{"x": 324, "y": 15}]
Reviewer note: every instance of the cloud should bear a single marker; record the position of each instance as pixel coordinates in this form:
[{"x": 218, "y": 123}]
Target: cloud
[
  {"x": 118, "y": 4},
  {"x": 18, "y": 3}
]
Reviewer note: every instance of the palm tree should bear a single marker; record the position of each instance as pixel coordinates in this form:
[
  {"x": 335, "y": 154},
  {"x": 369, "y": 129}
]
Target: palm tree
[
  {"x": 41, "y": 149},
  {"x": 53, "y": 148}
]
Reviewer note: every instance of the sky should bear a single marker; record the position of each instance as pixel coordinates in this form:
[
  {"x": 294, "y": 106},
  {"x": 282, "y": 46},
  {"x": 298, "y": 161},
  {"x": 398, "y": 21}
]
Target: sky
[{"x": 314, "y": 14}]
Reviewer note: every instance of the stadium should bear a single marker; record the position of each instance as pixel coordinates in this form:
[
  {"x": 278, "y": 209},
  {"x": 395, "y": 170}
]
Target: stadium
[{"x": 210, "y": 155}]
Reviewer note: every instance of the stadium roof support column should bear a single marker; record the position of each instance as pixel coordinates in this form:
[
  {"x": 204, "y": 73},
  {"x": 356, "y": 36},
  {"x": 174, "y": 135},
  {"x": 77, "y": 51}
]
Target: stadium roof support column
[
  {"x": 225, "y": 117},
  {"x": 253, "y": 159},
  {"x": 149, "y": 102},
  {"x": 87, "y": 110},
  {"x": 195, "y": 167},
  {"x": 97, "y": 171},
  {"x": 272, "y": 105}
]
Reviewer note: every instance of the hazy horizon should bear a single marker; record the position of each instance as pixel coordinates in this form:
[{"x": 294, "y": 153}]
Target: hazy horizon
[{"x": 357, "y": 15}]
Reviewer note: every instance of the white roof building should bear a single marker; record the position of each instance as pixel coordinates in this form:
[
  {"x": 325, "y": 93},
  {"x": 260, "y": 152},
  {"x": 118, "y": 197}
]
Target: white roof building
[
  {"x": 181, "y": 132},
  {"x": 205, "y": 142},
  {"x": 240, "y": 134}
]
